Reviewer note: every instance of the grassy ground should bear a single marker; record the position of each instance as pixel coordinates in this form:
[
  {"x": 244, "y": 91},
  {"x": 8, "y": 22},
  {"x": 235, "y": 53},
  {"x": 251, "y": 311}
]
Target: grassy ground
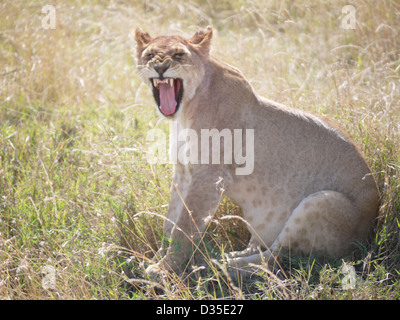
[{"x": 79, "y": 204}]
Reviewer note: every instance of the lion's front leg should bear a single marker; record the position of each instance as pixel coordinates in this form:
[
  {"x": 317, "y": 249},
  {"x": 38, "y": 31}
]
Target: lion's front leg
[
  {"x": 197, "y": 203},
  {"x": 175, "y": 207}
]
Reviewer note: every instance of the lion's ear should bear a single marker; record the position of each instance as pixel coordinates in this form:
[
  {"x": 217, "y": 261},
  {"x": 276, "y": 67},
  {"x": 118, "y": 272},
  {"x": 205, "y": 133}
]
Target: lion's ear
[
  {"x": 202, "y": 39},
  {"x": 142, "y": 38}
]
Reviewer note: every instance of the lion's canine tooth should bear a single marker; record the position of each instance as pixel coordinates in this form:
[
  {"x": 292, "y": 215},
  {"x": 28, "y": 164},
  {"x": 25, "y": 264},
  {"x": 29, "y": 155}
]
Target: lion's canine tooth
[{"x": 157, "y": 81}]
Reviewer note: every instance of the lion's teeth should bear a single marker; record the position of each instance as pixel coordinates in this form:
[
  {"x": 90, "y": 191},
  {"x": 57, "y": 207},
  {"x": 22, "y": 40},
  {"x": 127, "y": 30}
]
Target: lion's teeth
[{"x": 156, "y": 81}]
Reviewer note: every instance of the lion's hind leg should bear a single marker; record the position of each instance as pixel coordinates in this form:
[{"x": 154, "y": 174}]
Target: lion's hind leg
[{"x": 323, "y": 223}]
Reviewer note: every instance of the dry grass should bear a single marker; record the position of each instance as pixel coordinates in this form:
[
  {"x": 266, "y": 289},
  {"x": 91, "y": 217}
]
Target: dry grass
[{"x": 76, "y": 192}]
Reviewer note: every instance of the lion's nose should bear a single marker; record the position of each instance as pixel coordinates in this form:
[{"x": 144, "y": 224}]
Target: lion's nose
[{"x": 161, "y": 68}]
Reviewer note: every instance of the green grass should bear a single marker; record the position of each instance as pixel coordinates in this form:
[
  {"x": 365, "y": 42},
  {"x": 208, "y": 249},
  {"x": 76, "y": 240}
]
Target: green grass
[{"x": 76, "y": 191}]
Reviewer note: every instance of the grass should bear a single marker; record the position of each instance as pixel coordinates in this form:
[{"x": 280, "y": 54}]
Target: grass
[{"x": 77, "y": 195}]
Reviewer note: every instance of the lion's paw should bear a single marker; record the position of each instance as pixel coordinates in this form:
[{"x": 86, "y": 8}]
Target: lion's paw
[{"x": 155, "y": 272}]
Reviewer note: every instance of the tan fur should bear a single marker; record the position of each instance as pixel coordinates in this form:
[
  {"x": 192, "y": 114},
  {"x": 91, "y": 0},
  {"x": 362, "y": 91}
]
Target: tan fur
[{"x": 310, "y": 191}]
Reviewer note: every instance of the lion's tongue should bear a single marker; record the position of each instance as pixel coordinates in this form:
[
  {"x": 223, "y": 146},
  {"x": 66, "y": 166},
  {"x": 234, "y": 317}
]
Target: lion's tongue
[{"x": 167, "y": 98}]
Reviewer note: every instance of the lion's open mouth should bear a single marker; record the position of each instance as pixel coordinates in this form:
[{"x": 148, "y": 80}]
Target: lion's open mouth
[{"x": 168, "y": 94}]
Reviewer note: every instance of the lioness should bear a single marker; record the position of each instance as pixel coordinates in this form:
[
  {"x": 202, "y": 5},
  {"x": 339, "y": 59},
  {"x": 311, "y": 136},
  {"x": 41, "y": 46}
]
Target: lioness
[{"x": 310, "y": 189}]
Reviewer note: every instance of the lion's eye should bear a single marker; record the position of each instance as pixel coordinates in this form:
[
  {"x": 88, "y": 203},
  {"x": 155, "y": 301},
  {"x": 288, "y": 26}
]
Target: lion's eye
[
  {"x": 149, "y": 56},
  {"x": 179, "y": 55}
]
